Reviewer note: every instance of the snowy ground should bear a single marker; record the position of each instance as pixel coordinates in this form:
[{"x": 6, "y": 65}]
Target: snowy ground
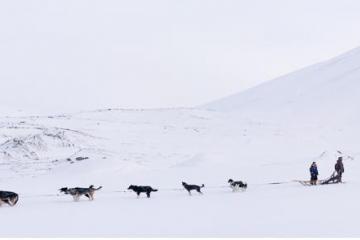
[
  {"x": 164, "y": 147},
  {"x": 262, "y": 211},
  {"x": 269, "y": 134}
]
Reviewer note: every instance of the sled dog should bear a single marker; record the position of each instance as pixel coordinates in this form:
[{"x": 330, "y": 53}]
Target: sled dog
[
  {"x": 190, "y": 187},
  {"x": 237, "y": 185},
  {"x": 77, "y": 192},
  {"x": 140, "y": 189},
  {"x": 9, "y": 198}
]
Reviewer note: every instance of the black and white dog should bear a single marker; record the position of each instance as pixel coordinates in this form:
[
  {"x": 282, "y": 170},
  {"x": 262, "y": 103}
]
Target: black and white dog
[
  {"x": 142, "y": 189},
  {"x": 237, "y": 185},
  {"x": 9, "y": 198},
  {"x": 190, "y": 187},
  {"x": 77, "y": 192}
]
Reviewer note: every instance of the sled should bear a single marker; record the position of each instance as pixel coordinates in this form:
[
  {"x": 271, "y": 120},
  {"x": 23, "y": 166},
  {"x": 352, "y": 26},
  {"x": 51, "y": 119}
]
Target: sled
[
  {"x": 333, "y": 179},
  {"x": 307, "y": 182}
]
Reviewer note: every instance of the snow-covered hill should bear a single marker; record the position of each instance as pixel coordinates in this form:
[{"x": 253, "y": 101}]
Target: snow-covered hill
[
  {"x": 270, "y": 134},
  {"x": 325, "y": 91}
]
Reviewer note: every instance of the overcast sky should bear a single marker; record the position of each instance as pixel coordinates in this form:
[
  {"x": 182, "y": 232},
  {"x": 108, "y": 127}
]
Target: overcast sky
[{"x": 70, "y": 55}]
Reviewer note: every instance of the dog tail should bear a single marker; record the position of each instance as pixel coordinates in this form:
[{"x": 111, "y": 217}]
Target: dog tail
[
  {"x": 92, "y": 186},
  {"x": 154, "y": 190},
  {"x": 202, "y": 186}
]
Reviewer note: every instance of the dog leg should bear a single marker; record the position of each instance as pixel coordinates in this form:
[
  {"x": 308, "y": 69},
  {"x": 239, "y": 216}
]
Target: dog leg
[
  {"x": 7, "y": 201},
  {"x": 76, "y": 197},
  {"x": 235, "y": 188}
]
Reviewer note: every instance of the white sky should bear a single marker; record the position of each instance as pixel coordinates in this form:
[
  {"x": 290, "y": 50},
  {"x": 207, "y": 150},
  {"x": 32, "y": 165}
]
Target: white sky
[{"x": 70, "y": 54}]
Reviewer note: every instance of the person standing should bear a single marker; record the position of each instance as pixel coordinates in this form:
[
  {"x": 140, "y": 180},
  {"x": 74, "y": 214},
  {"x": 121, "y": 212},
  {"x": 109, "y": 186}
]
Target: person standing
[
  {"x": 313, "y": 173},
  {"x": 339, "y": 168}
]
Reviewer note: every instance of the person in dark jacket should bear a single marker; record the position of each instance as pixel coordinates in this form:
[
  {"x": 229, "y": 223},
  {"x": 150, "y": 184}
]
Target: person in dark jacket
[
  {"x": 313, "y": 173},
  {"x": 339, "y": 168}
]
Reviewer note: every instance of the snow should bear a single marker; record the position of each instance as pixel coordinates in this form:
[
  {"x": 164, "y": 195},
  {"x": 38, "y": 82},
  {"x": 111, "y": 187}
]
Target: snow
[
  {"x": 328, "y": 89},
  {"x": 261, "y": 211},
  {"x": 270, "y": 134}
]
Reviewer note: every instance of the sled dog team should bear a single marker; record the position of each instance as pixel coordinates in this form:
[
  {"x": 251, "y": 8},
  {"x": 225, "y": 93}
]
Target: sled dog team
[{"x": 12, "y": 198}]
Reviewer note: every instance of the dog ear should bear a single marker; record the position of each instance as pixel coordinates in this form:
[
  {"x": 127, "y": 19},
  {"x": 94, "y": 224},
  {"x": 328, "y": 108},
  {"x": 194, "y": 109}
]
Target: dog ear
[{"x": 91, "y": 186}]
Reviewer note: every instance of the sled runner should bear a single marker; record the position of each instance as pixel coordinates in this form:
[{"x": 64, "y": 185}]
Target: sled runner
[
  {"x": 334, "y": 178},
  {"x": 307, "y": 182}
]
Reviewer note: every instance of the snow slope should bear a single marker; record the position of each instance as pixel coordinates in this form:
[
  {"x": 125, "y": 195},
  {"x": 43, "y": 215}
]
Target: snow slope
[
  {"x": 267, "y": 135},
  {"x": 325, "y": 90}
]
